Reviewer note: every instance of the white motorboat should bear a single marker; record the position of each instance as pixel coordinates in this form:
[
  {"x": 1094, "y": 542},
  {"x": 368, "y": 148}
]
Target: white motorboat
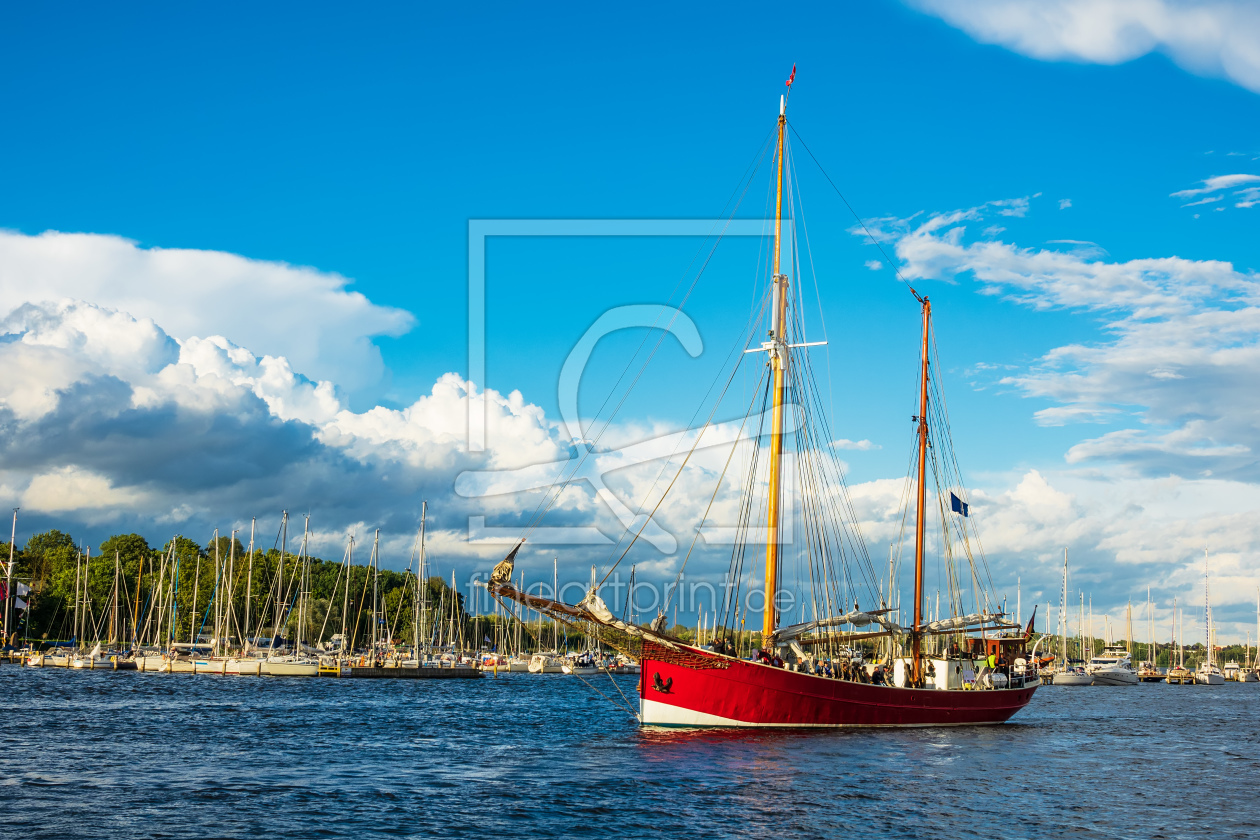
[
  {"x": 624, "y": 665},
  {"x": 1072, "y": 676},
  {"x": 92, "y": 660},
  {"x": 1231, "y": 672},
  {"x": 214, "y": 665},
  {"x": 246, "y": 666},
  {"x": 518, "y": 665},
  {"x": 584, "y": 664},
  {"x": 494, "y": 662},
  {"x": 89, "y": 662},
  {"x": 292, "y": 666},
  {"x": 541, "y": 663},
  {"x": 1112, "y": 667}
]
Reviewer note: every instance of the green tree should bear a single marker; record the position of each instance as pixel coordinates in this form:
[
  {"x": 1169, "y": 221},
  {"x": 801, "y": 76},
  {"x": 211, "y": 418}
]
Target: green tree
[
  {"x": 226, "y": 546},
  {"x": 49, "y": 561}
]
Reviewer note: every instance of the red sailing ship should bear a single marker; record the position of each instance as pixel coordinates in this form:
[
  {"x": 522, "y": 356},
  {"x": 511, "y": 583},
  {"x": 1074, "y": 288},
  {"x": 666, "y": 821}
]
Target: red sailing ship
[{"x": 969, "y": 667}]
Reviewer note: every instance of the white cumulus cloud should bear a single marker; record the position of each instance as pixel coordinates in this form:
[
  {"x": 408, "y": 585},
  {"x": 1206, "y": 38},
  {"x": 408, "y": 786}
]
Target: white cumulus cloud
[
  {"x": 308, "y": 316},
  {"x": 1208, "y": 37}
]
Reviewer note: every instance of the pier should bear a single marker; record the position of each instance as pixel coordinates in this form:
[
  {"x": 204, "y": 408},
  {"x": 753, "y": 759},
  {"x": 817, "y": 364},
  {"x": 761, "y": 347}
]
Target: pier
[{"x": 423, "y": 673}]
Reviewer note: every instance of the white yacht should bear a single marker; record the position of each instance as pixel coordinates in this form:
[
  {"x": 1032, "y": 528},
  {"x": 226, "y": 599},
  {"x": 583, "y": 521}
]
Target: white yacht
[
  {"x": 1072, "y": 676},
  {"x": 292, "y": 666},
  {"x": 1112, "y": 667},
  {"x": 1209, "y": 674}
]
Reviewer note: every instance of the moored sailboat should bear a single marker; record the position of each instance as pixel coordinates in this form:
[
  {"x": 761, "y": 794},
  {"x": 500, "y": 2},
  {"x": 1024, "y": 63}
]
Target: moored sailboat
[
  {"x": 298, "y": 663},
  {"x": 1252, "y": 672},
  {"x": 1208, "y": 673},
  {"x": 1065, "y": 673},
  {"x": 1178, "y": 673}
]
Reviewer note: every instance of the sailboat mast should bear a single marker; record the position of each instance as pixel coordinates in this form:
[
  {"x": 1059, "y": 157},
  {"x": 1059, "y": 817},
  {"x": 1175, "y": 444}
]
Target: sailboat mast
[
  {"x": 778, "y": 348},
  {"x": 376, "y": 575},
  {"x": 249, "y": 579},
  {"x": 113, "y": 624},
  {"x": 1181, "y": 642},
  {"x": 920, "y": 516},
  {"x": 1207, "y": 605},
  {"x": 214, "y": 595},
  {"x": 135, "y": 615},
  {"x": 347, "y": 648},
  {"x": 424, "y": 510},
  {"x": 304, "y": 584},
  {"x": 1128, "y": 628},
  {"x": 1063, "y": 650},
  {"x": 229, "y": 620},
  {"x": 284, "y": 547}
]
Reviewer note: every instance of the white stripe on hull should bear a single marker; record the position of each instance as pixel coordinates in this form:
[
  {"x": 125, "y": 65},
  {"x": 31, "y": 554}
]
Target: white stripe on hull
[{"x": 655, "y": 713}]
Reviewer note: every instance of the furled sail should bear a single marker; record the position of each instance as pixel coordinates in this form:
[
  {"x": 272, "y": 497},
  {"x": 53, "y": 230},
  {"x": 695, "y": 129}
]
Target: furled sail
[
  {"x": 962, "y": 622},
  {"x": 856, "y": 618}
]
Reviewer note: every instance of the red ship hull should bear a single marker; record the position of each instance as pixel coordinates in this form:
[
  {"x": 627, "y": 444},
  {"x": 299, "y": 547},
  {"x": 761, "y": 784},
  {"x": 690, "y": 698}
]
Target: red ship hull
[{"x": 689, "y": 687}]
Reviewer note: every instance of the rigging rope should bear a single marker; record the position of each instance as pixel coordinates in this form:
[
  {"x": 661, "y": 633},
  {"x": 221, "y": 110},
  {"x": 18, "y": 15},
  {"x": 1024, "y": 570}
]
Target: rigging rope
[
  {"x": 874, "y": 241},
  {"x": 554, "y": 491}
]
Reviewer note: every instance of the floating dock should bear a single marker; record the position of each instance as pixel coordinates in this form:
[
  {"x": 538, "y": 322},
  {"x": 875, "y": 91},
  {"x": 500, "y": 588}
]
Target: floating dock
[{"x": 369, "y": 673}]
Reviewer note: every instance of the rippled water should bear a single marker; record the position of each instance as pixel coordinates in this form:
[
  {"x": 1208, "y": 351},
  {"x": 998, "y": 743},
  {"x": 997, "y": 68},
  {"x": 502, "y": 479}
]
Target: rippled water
[{"x": 104, "y": 754}]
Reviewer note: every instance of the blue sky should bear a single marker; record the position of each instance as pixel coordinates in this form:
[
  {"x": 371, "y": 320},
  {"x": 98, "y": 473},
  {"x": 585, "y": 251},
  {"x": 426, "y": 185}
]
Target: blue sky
[{"x": 359, "y": 143}]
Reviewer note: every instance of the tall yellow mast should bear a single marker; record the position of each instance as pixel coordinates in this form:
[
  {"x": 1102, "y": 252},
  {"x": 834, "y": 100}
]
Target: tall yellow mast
[
  {"x": 921, "y": 512},
  {"x": 778, "y": 349}
]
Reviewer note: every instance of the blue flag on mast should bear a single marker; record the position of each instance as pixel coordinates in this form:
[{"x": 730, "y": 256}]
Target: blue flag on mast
[{"x": 958, "y": 505}]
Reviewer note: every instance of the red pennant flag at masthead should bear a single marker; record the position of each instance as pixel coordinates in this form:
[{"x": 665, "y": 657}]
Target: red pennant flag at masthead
[{"x": 793, "y": 76}]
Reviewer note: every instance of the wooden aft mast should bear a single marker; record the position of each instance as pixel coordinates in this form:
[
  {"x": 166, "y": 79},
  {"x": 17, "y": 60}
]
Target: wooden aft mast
[
  {"x": 916, "y": 637},
  {"x": 777, "y": 347}
]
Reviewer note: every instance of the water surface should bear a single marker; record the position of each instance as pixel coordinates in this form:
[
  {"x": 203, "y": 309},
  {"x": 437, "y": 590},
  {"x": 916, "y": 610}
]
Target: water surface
[{"x": 114, "y": 755}]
